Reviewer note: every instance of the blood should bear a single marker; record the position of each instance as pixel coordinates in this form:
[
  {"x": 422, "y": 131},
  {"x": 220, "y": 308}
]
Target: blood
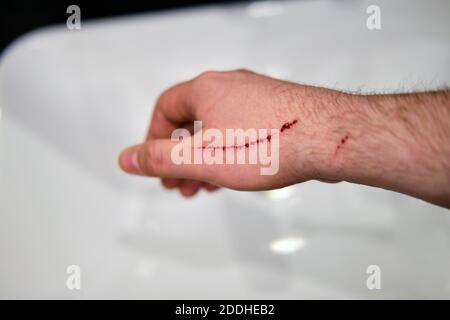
[
  {"x": 287, "y": 125},
  {"x": 268, "y": 138},
  {"x": 341, "y": 144}
]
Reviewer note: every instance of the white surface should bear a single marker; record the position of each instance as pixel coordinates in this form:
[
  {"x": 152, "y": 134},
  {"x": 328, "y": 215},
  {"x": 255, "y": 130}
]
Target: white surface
[{"x": 71, "y": 100}]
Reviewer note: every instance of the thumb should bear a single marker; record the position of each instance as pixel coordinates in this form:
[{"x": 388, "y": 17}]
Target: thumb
[{"x": 153, "y": 158}]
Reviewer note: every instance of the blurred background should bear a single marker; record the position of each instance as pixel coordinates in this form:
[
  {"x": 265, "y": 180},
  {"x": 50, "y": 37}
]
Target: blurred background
[
  {"x": 20, "y": 16},
  {"x": 71, "y": 99}
]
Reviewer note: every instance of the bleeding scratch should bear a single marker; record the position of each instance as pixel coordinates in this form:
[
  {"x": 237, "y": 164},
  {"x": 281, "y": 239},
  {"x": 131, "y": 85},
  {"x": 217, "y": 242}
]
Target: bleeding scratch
[{"x": 341, "y": 144}]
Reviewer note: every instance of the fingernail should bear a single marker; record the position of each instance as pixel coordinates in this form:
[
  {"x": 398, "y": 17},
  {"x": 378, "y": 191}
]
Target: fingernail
[{"x": 129, "y": 160}]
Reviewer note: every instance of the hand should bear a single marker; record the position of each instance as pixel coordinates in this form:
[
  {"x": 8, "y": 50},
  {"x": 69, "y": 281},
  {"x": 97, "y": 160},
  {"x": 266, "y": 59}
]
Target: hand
[{"x": 223, "y": 100}]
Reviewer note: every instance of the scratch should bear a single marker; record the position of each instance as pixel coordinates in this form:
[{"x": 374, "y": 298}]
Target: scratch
[{"x": 341, "y": 144}]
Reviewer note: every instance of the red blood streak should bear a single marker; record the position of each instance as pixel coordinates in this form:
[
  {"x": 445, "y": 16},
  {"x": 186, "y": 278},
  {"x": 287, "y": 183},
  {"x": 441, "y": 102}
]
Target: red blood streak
[
  {"x": 268, "y": 138},
  {"x": 341, "y": 144}
]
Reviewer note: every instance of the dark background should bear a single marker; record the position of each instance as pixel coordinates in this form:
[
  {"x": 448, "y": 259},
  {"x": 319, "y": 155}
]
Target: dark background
[{"x": 20, "y": 16}]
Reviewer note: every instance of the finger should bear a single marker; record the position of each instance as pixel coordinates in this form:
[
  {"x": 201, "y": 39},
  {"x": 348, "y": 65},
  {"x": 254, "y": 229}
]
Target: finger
[
  {"x": 170, "y": 183},
  {"x": 174, "y": 107},
  {"x": 189, "y": 188},
  {"x": 178, "y": 182},
  {"x": 162, "y": 123},
  {"x": 210, "y": 187},
  {"x": 153, "y": 158},
  {"x": 160, "y": 126},
  {"x": 174, "y": 183}
]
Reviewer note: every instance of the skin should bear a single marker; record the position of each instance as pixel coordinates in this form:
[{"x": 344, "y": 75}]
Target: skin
[{"x": 399, "y": 142}]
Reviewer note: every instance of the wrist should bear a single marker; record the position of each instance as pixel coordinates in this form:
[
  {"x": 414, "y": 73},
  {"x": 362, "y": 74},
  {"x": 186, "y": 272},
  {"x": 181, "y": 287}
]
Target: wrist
[
  {"x": 327, "y": 125},
  {"x": 397, "y": 142},
  {"x": 347, "y": 137}
]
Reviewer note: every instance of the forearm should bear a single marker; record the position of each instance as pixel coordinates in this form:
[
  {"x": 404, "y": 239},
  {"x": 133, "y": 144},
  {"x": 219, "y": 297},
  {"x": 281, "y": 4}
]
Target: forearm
[{"x": 396, "y": 142}]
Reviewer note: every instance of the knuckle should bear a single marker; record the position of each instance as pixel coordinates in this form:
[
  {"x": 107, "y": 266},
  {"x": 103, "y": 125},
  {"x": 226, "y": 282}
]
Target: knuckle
[
  {"x": 208, "y": 74},
  {"x": 202, "y": 83},
  {"x": 207, "y": 80},
  {"x": 243, "y": 70},
  {"x": 163, "y": 97}
]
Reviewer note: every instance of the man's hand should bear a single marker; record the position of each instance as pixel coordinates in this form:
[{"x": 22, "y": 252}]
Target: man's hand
[
  {"x": 222, "y": 100},
  {"x": 398, "y": 142}
]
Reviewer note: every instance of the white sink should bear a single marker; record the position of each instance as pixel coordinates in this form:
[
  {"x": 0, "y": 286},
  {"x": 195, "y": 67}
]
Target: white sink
[{"x": 71, "y": 100}]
